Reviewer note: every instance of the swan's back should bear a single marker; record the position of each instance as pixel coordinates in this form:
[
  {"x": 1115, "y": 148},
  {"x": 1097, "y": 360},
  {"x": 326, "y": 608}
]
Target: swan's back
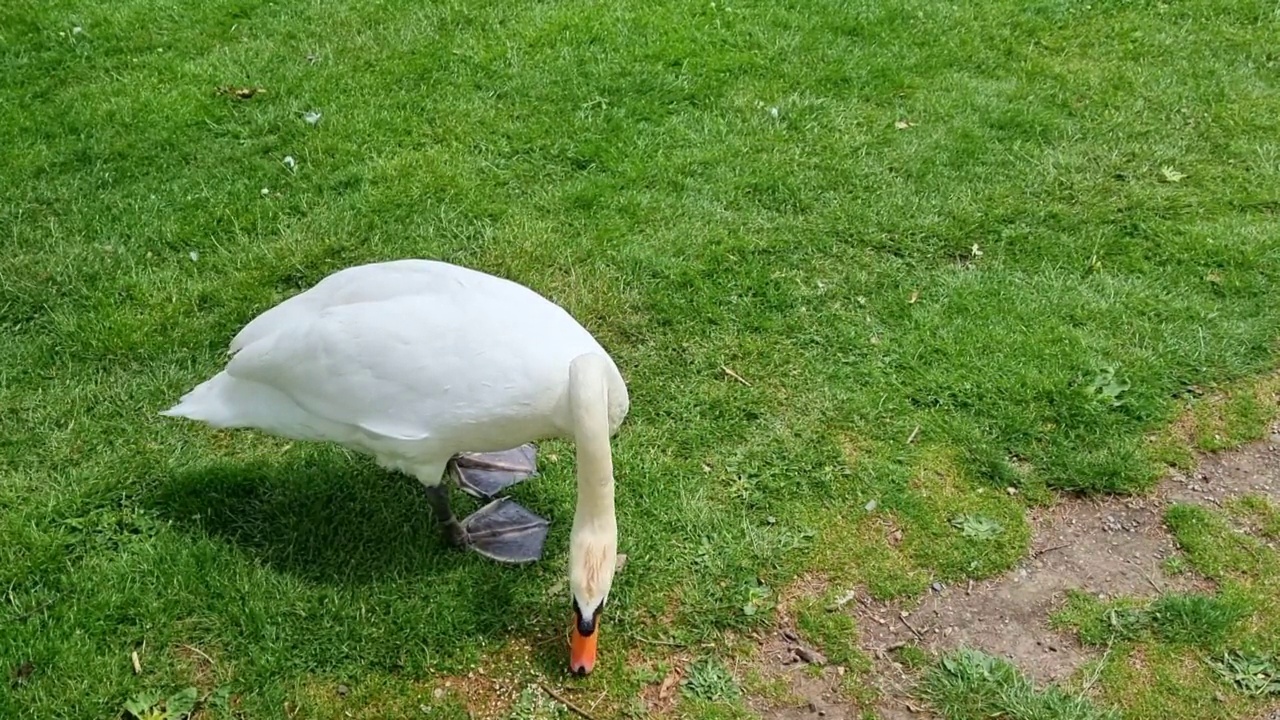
[
  {"x": 379, "y": 281},
  {"x": 411, "y": 352}
]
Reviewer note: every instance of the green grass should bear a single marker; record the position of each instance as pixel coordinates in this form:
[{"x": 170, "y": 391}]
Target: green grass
[
  {"x": 1079, "y": 226},
  {"x": 971, "y": 684},
  {"x": 1260, "y": 511},
  {"x": 1188, "y": 619}
]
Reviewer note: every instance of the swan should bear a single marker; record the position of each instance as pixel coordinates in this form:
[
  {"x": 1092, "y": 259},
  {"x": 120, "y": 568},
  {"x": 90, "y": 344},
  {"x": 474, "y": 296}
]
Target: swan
[{"x": 441, "y": 372}]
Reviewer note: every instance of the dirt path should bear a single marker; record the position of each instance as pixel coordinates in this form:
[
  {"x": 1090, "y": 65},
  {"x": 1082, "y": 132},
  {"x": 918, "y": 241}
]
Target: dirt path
[{"x": 1109, "y": 547}]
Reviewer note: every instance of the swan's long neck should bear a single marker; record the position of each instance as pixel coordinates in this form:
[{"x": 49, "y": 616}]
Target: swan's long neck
[
  {"x": 589, "y": 406},
  {"x": 593, "y": 542}
]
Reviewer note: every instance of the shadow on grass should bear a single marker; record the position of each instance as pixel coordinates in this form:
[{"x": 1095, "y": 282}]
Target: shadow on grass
[{"x": 326, "y": 523}]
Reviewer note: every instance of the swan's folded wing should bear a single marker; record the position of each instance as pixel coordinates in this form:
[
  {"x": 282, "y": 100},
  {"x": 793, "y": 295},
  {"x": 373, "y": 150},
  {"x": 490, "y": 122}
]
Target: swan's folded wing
[
  {"x": 355, "y": 365},
  {"x": 424, "y": 365},
  {"x": 371, "y": 282}
]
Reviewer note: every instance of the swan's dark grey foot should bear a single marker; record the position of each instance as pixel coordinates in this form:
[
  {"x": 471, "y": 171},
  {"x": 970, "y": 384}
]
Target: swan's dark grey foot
[
  {"x": 506, "y": 532},
  {"x": 502, "y": 530},
  {"x": 484, "y": 475}
]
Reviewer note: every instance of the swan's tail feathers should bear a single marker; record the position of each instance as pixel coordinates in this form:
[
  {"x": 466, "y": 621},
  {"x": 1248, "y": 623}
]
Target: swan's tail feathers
[
  {"x": 221, "y": 401},
  {"x": 227, "y": 402}
]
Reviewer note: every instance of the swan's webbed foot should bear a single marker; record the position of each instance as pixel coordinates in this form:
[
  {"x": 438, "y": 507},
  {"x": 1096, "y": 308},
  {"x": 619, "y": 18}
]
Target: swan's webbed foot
[
  {"x": 505, "y": 531},
  {"x": 484, "y": 475}
]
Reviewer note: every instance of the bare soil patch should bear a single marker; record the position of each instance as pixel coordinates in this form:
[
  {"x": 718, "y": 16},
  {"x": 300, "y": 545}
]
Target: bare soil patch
[
  {"x": 1251, "y": 469},
  {"x": 814, "y": 686},
  {"x": 1109, "y": 547}
]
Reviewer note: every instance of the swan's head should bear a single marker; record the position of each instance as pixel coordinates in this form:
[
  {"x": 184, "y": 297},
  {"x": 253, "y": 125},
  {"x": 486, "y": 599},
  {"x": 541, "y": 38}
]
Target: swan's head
[{"x": 593, "y": 556}]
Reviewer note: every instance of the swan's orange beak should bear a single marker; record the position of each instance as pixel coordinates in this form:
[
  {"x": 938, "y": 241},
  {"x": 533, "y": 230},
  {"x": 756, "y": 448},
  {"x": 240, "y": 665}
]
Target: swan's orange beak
[{"x": 582, "y": 648}]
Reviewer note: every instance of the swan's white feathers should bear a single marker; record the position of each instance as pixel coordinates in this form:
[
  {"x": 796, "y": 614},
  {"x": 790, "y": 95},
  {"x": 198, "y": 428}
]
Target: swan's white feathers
[
  {"x": 370, "y": 283},
  {"x": 402, "y": 359}
]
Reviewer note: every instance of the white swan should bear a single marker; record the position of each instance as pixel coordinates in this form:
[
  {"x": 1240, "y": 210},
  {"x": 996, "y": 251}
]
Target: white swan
[{"x": 434, "y": 368}]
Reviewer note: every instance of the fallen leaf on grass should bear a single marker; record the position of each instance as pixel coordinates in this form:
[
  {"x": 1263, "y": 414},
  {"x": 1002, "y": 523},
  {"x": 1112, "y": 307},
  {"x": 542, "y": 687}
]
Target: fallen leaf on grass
[
  {"x": 669, "y": 683},
  {"x": 22, "y": 673},
  {"x": 915, "y": 295},
  {"x": 904, "y": 124},
  {"x": 843, "y": 600},
  {"x": 240, "y": 93}
]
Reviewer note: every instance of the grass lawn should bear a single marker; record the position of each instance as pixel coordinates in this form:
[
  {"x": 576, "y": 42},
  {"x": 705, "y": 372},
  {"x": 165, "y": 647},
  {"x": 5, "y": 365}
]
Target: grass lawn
[{"x": 1018, "y": 234}]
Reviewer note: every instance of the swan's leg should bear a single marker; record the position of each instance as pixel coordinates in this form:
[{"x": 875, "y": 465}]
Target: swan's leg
[
  {"x": 506, "y": 532},
  {"x": 438, "y": 496},
  {"x": 502, "y": 530},
  {"x": 431, "y": 475},
  {"x": 484, "y": 475}
]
